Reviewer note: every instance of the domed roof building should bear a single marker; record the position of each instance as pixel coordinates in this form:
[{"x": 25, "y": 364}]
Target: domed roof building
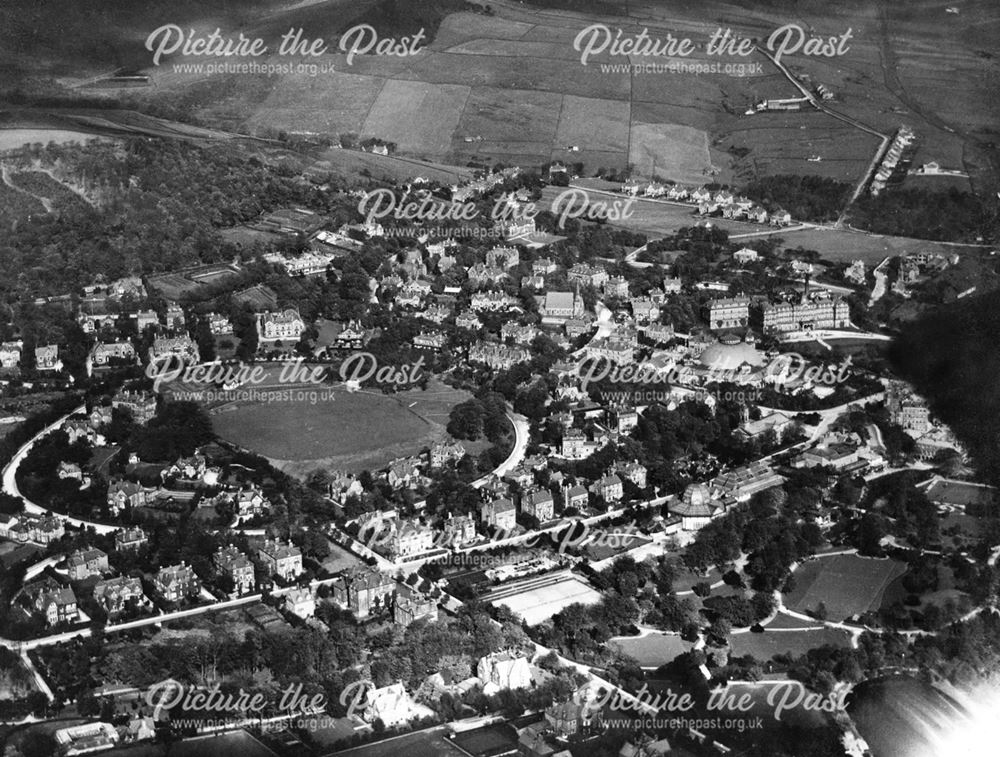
[
  {"x": 732, "y": 354},
  {"x": 696, "y": 507}
]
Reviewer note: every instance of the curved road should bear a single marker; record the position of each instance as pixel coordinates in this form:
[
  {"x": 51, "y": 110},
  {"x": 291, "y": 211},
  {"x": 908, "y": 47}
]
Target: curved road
[
  {"x": 521, "y": 428},
  {"x": 10, "y": 480}
]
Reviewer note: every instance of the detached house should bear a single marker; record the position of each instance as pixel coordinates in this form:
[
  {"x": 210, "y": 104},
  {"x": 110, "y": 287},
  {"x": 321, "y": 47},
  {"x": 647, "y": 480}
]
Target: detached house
[
  {"x": 459, "y": 530},
  {"x": 177, "y": 582},
  {"x": 251, "y": 502},
  {"x": 57, "y": 605},
  {"x": 104, "y": 354},
  {"x": 575, "y": 496},
  {"x": 86, "y": 562},
  {"x": 502, "y": 670},
  {"x": 285, "y": 326},
  {"x": 182, "y": 347},
  {"x": 47, "y": 358},
  {"x": 231, "y": 562},
  {"x": 411, "y": 605},
  {"x": 300, "y": 603},
  {"x": 115, "y": 595},
  {"x": 443, "y": 453},
  {"x": 10, "y": 354},
  {"x": 283, "y": 560},
  {"x": 500, "y": 513},
  {"x": 609, "y": 487},
  {"x": 130, "y": 538},
  {"x": 122, "y": 494},
  {"x": 634, "y": 471},
  {"x": 363, "y": 591},
  {"x": 539, "y": 504}
]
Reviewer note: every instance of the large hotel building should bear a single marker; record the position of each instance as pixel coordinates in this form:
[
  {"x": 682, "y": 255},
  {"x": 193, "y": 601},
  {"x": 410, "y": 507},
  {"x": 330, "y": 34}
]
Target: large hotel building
[{"x": 819, "y": 312}]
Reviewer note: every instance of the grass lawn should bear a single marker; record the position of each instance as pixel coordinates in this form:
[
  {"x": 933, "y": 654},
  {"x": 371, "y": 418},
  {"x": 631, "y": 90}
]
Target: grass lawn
[
  {"x": 846, "y": 584},
  {"x": 764, "y": 646},
  {"x": 788, "y": 621},
  {"x": 352, "y": 431},
  {"x": 339, "y": 559},
  {"x": 431, "y": 743},
  {"x": 488, "y": 740},
  {"x": 235, "y": 742},
  {"x": 686, "y": 579},
  {"x": 653, "y": 650}
]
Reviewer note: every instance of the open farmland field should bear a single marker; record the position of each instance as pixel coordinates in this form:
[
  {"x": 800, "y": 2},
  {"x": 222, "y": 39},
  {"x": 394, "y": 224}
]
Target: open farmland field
[
  {"x": 674, "y": 152},
  {"x": 654, "y": 649},
  {"x": 846, "y": 584},
  {"x": 509, "y": 120},
  {"x": 908, "y": 64},
  {"x": 598, "y": 125},
  {"x": 764, "y": 646},
  {"x": 332, "y": 104},
  {"x": 417, "y": 116},
  {"x": 782, "y": 143}
]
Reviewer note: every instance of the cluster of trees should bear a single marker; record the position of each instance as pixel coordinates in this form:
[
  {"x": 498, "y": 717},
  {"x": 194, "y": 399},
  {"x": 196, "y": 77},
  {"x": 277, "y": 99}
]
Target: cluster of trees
[
  {"x": 481, "y": 416},
  {"x": 914, "y": 517},
  {"x": 323, "y": 662},
  {"x": 159, "y": 206},
  {"x": 953, "y": 216},
  {"x": 952, "y": 357},
  {"x": 807, "y": 198},
  {"x": 23, "y": 699},
  {"x": 771, "y": 530},
  {"x": 581, "y": 632}
]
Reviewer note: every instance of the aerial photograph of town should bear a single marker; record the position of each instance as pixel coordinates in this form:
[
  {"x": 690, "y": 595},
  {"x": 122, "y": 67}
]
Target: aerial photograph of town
[{"x": 500, "y": 378}]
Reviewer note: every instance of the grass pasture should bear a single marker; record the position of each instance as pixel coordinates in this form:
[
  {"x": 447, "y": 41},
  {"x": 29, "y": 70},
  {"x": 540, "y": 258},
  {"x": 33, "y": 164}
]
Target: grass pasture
[
  {"x": 597, "y": 125},
  {"x": 908, "y": 63},
  {"x": 419, "y": 117},
  {"x": 846, "y": 584},
  {"x": 680, "y": 153},
  {"x": 508, "y": 120},
  {"x": 333, "y": 103}
]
